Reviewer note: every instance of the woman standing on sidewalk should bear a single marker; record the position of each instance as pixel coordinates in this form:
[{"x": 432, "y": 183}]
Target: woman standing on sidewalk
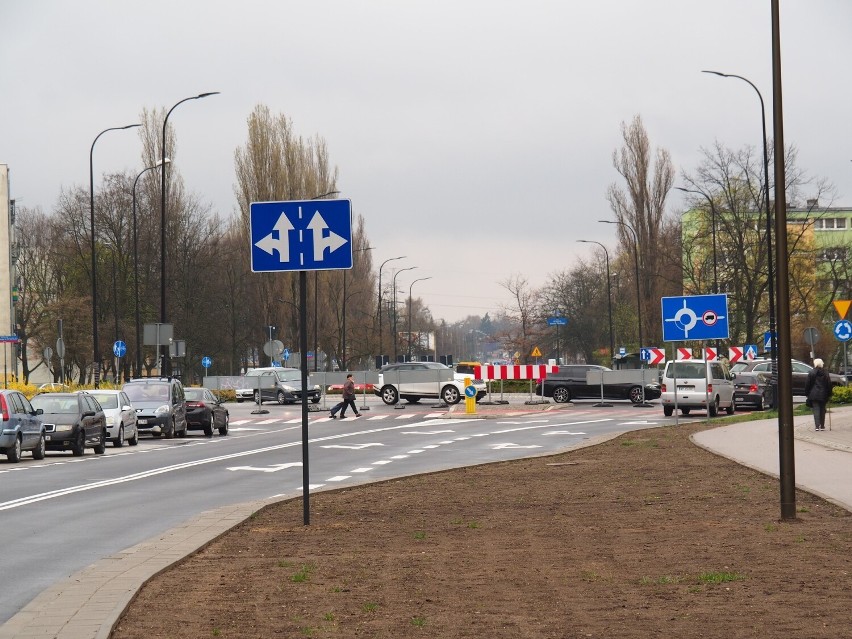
[{"x": 818, "y": 390}]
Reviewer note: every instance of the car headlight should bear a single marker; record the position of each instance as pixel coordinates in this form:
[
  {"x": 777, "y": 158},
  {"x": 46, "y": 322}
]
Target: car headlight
[
  {"x": 63, "y": 428},
  {"x": 288, "y": 389},
  {"x": 316, "y": 387},
  {"x": 162, "y": 410}
]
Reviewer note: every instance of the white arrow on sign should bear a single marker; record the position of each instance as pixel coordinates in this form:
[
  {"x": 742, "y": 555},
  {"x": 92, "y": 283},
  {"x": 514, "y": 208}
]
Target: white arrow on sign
[
  {"x": 270, "y": 469},
  {"x": 332, "y": 242},
  {"x": 282, "y": 243}
]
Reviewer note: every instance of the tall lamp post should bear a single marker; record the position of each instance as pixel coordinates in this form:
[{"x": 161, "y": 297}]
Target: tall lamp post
[
  {"x": 636, "y": 256},
  {"x": 344, "y": 360},
  {"x": 608, "y": 298},
  {"x": 96, "y": 353},
  {"x": 712, "y": 230},
  {"x": 165, "y": 354},
  {"x": 316, "y": 297},
  {"x": 136, "y": 268},
  {"x": 770, "y": 284},
  {"x": 395, "y": 352},
  {"x": 409, "y": 312},
  {"x": 390, "y": 259}
]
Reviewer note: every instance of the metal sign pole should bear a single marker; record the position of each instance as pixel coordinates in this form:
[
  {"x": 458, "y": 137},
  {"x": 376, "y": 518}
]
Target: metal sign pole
[{"x": 303, "y": 345}]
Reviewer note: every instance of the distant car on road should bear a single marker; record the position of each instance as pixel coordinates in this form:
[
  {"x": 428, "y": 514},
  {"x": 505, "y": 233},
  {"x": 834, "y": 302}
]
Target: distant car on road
[
  {"x": 697, "y": 384},
  {"x": 120, "y": 416},
  {"x": 20, "y": 428},
  {"x": 72, "y": 421},
  {"x": 800, "y": 372},
  {"x": 392, "y": 388},
  {"x": 753, "y": 390},
  {"x": 204, "y": 411},
  {"x": 160, "y": 405},
  {"x": 282, "y": 385},
  {"x": 570, "y": 383}
]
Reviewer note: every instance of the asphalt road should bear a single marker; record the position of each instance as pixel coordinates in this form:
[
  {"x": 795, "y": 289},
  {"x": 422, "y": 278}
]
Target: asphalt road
[{"x": 64, "y": 513}]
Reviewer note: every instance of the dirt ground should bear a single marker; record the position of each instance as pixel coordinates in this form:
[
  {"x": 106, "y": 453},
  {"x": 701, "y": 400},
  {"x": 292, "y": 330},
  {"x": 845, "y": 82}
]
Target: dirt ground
[{"x": 646, "y": 535}]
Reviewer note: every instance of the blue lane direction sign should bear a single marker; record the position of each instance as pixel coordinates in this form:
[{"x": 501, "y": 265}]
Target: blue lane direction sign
[
  {"x": 301, "y": 235},
  {"x": 206, "y": 362},
  {"x": 119, "y": 349},
  {"x": 286, "y": 354},
  {"x": 695, "y": 317},
  {"x": 843, "y": 330},
  {"x": 8, "y": 338},
  {"x": 557, "y": 321}
]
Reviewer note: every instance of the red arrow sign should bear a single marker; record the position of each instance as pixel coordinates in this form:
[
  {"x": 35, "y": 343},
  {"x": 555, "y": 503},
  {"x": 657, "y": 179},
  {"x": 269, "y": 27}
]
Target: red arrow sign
[
  {"x": 735, "y": 354},
  {"x": 710, "y": 354},
  {"x": 657, "y": 356},
  {"x": 684, "y": 353}
]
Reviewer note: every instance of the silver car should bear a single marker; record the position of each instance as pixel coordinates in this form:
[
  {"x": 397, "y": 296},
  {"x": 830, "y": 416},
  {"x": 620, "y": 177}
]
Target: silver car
[{"x": 120, "y": 416}]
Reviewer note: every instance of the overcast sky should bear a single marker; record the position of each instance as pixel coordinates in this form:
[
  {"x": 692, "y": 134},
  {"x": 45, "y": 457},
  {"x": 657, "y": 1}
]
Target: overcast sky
[{"x": 475, "y": 137}]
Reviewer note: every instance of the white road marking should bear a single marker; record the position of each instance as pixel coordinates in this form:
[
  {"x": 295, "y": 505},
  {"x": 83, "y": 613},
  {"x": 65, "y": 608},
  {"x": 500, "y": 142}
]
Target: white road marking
[
  {"x": 339, "y": 478},
  {"x": 502, "y": 446},
  {"x": 400, "y": 456},
  {"x": 513, "y": 430},
  {"x": 268, "y": 469},
  {"x": 416, "y": 451},
  {"x": 381, "y": 462},
  {"x": 352, "y": 446},
  {"x": 562, "y": 432},
  {"x": 360, "y": 470}
]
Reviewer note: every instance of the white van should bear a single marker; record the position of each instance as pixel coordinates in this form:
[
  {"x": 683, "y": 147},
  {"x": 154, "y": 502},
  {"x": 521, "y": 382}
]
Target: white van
[{"x": 699, "y": 383}]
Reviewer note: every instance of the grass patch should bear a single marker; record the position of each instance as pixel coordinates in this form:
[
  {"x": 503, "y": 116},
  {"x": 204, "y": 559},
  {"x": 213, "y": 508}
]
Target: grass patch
[
  {"x": 303, "y": 575},
  {"x": 719, "y": 577},
  {"x": 370, "y": 607},
  {"x": 419, "y": 534},
  {"x": 659, "y": 581},
  {"x": 418, "y": 622}
]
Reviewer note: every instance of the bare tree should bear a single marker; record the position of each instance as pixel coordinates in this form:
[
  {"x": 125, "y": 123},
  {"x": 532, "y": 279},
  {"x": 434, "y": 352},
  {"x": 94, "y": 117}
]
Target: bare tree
[{"x": 522, "y": 314}]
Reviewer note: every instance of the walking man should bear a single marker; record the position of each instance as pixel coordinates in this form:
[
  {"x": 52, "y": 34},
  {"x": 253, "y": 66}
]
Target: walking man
[
  {"x": 348, "y": 400},
  {"x": 818, "y": 390}
]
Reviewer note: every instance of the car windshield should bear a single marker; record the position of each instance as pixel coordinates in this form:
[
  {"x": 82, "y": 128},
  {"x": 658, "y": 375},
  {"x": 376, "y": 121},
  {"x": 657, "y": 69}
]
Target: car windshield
[
  {"x": 739, "y": 366},
  {"x": 106, "y": 400},
  {"x": 62, "y": 405},
  {"x": 147, "y": 392},
  {"x": 685, "y": 370},
  {"x": 194, "y": 394},
  {"x": 289, "y": 376}
]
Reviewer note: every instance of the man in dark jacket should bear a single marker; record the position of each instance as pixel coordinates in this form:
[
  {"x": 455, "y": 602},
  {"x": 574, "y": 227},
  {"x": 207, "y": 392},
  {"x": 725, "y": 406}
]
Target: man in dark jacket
[
  {"x": 348, "y": 400},
  {"x": 818, "y": 390}
]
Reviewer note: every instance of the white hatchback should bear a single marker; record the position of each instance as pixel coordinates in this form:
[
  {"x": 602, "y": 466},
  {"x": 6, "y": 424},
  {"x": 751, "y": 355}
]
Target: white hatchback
[
  {"x": 120, "y": 416},
  {"x": 701, "y": 384}
]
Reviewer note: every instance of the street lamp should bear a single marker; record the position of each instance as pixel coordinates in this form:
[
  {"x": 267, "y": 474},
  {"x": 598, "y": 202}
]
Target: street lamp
[
  {"x": 395, "y": 353},
  {"x": 316, "y": 297},
  {"x": 136, "y": 269},
  {"x": 409, "y": 312},
  {"x": 343, "y": 363},
  {"x": 712, "y": 230},
  {"x": 165, "y": 354},
  {"x": 769, "y": 264},
  {"x": 608, "y": 298},
  {"x": 636, "y": 256},
  {"x": 96, "y": 354},
  {"x": 401, "y": 257}
]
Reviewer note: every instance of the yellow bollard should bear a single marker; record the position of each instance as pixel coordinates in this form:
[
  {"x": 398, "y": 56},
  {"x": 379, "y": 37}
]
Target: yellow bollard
[{"x": 469, "y": 402}]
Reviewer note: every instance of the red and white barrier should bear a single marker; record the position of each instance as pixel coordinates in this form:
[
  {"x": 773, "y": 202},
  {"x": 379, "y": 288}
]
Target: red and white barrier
[{"x": 508, "y": 371}]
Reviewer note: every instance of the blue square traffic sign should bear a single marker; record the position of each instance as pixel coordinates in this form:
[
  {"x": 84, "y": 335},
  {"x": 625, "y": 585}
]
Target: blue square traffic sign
[
  {"x": 695, "y": 317},
  {"x": 301, "y": 235}
]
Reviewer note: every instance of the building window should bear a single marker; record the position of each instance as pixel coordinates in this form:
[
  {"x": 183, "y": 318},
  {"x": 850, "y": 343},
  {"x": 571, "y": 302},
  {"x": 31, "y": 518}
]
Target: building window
[{"x": 830, "y": 224}]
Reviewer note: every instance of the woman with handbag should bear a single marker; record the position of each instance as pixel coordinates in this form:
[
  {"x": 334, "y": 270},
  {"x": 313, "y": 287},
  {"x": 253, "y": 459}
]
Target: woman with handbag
[{"x": 817, "y": 391}]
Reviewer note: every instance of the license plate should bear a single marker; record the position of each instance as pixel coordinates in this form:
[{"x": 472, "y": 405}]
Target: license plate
[
  {"x": 685, "y": 388},
  {"x": 143, "y": 422}
]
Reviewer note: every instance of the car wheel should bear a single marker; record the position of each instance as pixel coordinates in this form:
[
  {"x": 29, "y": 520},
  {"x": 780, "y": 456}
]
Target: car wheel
[
  {"x": 170, "y": 431},
  {"x": 257, "y": 399},
  {"x": 761, "y": 404},
  {"x": 78, "y": 448},
  {"x": 185, "y": 430},
  {"x": 390, "y": 395},
  {"x": 685, "y": 411},
  {"x": 133, "y": 441},
  {"x": 636, "y": 395},
  {"x": 39, "y": 451},
  {"x": 450, "y": 394},
  {"x": 714, "y": 407},
  {"x": 100, "y": 447},
  {"x": 208, "y": 427},
  {"x": 13, "y": 453},
  {"x": 280, "y": 398},
  {"x": 667, "y": 411},
  {"x": 561, "y": 395},
  {"x": 119, "y": 441},
  {"x": 224, "y": 429},
  {"x": 729, "y": 410},
  {"x": 315, "y": 400}
]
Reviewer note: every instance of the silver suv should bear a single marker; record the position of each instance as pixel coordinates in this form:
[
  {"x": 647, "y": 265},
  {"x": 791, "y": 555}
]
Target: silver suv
[
  {"x": 413, "y": 381},
  {"x": 160, "y": 406}
]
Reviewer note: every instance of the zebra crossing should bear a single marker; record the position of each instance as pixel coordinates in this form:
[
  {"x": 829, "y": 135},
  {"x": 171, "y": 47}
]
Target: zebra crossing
[{"x": 326, "y": 418}]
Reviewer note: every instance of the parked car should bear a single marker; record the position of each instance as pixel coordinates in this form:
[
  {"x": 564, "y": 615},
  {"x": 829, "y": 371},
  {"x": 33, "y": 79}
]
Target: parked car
[
  {"x": 160, "y": 406},
  {"x": 120, "y": 416},
  {"x": 282, "y": 385},
  {"x": 753, "y": 390},
  {"x": 20, "y": 428},
  {"x": 391, "y": 389},
  {"x": 799, "y": 377},
  {"x": 570, "y": 383},
  {"x": 701, "y": 384},
  {"x": 72, "y": 421},
  {"x": 204, "y": 411}
]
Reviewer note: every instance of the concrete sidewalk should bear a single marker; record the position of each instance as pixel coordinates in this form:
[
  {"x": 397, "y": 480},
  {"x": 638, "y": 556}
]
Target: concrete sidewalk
[{"x": 90, "y": 602}]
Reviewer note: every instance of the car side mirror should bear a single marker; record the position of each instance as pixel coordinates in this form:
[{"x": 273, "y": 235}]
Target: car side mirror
[
  {"x": 126, "y": 407},
  {"x": 89, "y": 413},
  {"x": 39, "y": 411}
]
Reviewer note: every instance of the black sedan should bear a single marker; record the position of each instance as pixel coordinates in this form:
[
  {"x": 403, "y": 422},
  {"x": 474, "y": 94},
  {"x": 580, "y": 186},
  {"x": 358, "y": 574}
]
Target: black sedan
[
  {"x": 204, "y": 411},
  {"x": 570, "y": 383},
  {"x": 752, "y": 390},
  {"x": 72, "y": 421}
]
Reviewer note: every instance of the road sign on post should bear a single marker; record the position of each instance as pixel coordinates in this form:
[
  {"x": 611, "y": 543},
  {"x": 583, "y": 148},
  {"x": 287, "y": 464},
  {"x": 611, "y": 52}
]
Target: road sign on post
[
  {"x": 695, "y": 317},
  {"x": 301, "y": 235}
]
